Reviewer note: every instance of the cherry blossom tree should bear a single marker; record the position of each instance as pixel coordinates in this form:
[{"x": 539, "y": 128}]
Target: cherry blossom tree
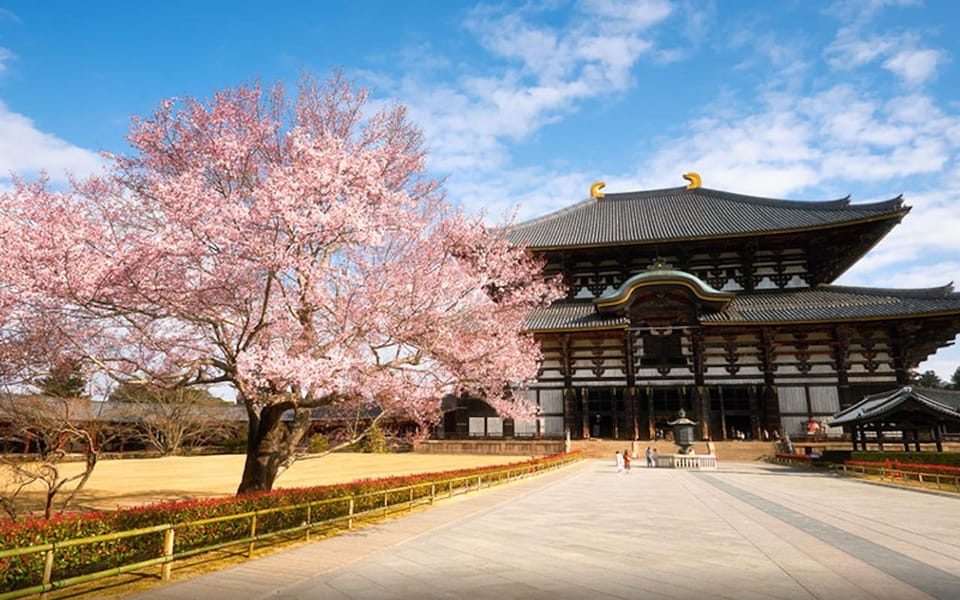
[{"x": 291, "y": 247}]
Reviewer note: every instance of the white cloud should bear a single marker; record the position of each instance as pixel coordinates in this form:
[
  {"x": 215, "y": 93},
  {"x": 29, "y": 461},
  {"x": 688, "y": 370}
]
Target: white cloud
[
  {"x": 914, "y": 66},
  {"x": 26, "y": 151},
  {"x": 628, "y": 15},
  {"x": 902, "y": 53},
  {"x": 546, "y": 72},
  {"x": 5, "y": 57}
]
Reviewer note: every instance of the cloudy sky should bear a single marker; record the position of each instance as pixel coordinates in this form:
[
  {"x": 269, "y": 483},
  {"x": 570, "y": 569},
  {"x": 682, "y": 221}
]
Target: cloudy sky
[{"x": 525, "y": 104}]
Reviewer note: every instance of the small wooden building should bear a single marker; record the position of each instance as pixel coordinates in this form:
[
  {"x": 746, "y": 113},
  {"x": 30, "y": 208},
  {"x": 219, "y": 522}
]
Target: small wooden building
[
  {"x": 718, "y": 303},
  {"x": 905, "y": 415}
]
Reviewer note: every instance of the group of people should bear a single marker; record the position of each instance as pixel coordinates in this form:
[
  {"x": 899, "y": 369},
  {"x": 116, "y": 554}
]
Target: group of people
[{"x": 623, "y": 460}]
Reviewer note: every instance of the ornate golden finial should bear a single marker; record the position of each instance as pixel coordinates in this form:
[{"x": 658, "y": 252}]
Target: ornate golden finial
[
  {"x": 595, "y": 189},
  {"x": 693, "y": 178},
  {"x": 659, "y": 264}
]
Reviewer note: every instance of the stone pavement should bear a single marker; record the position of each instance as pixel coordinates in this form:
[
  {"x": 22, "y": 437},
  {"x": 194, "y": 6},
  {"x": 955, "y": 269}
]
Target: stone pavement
[{"x": 747, "y": 531}]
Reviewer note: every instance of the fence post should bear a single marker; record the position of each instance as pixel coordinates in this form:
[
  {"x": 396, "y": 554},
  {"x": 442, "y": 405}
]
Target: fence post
[
  {"x": 47, "y": 573},
  {"x": 409, "y": 508},
  {"x": 167, "y": 554},
  {"x": 307, "y": 536},
  {"x": 384, "y": 503},
  {"x": 350, "y": 514},
  {"x": 478, "y": 482},
  {"x": 253, "y": 534},
  {"x": 433, "y": 492}
]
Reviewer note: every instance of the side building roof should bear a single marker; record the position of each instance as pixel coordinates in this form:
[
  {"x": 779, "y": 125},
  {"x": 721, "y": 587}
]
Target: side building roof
[
  {"x": 686, "y": 214},
  {"x": 876, "y": 407}
]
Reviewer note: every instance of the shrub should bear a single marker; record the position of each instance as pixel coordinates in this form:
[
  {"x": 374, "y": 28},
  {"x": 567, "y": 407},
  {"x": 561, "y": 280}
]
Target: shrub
[
  {"x": 835, "y": 456},
  {"x": 375, "y": 442},
  {"x": 234, "y": 445},
  {"x": 317, "y": 444}
]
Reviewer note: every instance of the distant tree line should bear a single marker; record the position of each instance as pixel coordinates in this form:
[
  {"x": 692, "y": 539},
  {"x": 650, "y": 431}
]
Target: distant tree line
[{"x": 930, "y": 379}]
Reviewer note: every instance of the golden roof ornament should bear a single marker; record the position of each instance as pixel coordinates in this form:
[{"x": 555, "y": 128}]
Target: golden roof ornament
[
  {"x": 693, "y": 178},
  {"x": 595, "y": 189}
]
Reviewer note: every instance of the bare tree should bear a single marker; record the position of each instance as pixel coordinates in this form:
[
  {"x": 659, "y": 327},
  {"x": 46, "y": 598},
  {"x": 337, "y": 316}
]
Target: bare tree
[
  {"x": 56, "y": 427},
  {"x": 170, "y": 419}
]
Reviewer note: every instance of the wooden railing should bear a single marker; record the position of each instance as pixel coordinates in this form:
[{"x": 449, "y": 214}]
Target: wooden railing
[
  {"x": 394, "y": 500},
  {"x": 943, "y": 482}
]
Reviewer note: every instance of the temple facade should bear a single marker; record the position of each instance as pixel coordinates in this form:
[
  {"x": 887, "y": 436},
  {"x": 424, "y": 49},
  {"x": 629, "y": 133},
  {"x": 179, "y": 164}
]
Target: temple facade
[{"x": 718, "y": 303}]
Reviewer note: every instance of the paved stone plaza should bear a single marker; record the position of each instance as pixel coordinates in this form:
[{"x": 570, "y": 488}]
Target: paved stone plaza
[{"x": 746, "y": 531}]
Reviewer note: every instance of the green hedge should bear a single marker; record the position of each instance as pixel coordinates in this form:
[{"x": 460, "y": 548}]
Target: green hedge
[
  {"x": 25, "y": 571},
  {"x": 951, "y": 459},
  {"x": 835, "y": 456}
]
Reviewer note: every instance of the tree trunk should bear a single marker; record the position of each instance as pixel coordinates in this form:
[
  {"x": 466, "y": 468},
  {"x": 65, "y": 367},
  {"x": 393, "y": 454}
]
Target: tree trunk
[{"x": 271, "y": 445}]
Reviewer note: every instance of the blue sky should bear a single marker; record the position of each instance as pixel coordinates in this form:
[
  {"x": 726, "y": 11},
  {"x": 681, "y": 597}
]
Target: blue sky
[{"x": 525, "y": 104}]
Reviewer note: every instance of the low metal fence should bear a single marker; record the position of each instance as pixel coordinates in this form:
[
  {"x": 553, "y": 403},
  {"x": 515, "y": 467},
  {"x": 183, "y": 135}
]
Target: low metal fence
[
  {"x": 352, "y": 508},
  {"x": 941, "y": 481}
]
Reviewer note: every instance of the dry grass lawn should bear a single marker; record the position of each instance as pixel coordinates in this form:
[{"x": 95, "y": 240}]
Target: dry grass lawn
[{"x": 129, "y": 482}]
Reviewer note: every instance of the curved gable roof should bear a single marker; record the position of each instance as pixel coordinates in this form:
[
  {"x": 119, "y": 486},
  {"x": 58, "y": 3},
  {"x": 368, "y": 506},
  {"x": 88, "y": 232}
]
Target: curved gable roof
[
  {"x": 621, "y": 297},
  {"x": 681, "y": 214}
]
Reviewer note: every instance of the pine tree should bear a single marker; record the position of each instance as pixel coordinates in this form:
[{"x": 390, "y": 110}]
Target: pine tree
[{"x": 65, "y": 380}]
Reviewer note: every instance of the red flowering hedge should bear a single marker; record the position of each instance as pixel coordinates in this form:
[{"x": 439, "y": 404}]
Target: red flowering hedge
[
  {"x": 915, "y": 467},
  {"x": 25, "y": 571},
  {"x": 951, "y": 459}
]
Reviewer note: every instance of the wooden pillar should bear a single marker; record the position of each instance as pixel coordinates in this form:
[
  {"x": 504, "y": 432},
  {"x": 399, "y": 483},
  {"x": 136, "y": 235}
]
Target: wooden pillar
[
  {"x": 755, "y": 412},
  {"x": 878, "y": 427},
  {"x": 584, "y": 410},
  {"x": 651, "y": 424},
  {"x": 701, "y": 394},
  {"x": 571, "y": 410},
  {"x": 937, "y": 438},
  {"x": 629, "y": 402},
  {"x": 769, "y": 399},
  {"x": 723, "y": 416},
  {"x": 916, "y": 439}
]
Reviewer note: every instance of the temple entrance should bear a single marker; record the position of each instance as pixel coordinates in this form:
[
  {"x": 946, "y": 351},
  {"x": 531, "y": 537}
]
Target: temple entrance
[
  {"x": 605, "y": 414},
  {"x": 663, "y": 405},
  {"x": 732, "y": 412},
  {"x": 601, "y": 404}
]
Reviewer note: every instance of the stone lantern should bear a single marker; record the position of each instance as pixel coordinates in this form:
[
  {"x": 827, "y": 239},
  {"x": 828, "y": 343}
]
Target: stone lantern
[{"x": 683, "y": 432}]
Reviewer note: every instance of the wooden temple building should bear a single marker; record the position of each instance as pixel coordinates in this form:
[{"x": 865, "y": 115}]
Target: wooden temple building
[
  {"x": 718, "y": 303},
  {"x": 906, "y": 415}
]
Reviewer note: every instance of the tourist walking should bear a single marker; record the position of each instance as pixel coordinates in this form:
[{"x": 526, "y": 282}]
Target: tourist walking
[
  {"x": 626, "y": 461},
  {"x": 620, "y": 462},
  {"x": 654, "y": 457},
  {"x": 649, "y": 457}
]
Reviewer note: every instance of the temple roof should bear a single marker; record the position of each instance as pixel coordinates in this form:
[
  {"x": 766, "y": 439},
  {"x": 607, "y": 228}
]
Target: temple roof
[
  {"x": 684, "y": 214},
  {"x": 824, "y": 303},
  {"x": 885, "y": 404},
  {"x": 835, "y": 303}
]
